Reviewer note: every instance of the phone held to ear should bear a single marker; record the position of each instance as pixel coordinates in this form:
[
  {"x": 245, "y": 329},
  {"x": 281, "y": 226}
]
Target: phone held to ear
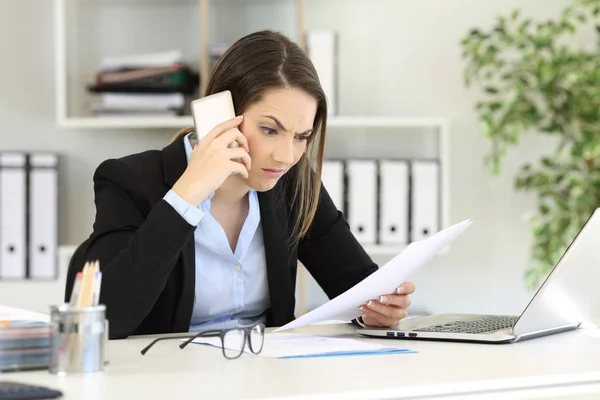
[{"x": 210, "y": 111}]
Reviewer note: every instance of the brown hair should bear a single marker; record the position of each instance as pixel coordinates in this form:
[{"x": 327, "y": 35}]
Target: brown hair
[{"x": 265, "y": 60}]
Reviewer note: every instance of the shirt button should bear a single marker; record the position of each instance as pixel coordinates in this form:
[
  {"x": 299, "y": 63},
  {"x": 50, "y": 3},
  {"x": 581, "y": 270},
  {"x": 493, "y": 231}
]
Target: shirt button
[{"x": 238, "y": 268}]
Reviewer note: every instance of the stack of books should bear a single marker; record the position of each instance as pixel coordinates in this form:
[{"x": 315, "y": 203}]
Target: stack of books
[
  {"x": 159, "y": 84},
  {"x": 24, "y": 345}
]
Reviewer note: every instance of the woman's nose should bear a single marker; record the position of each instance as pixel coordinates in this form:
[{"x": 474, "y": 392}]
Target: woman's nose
[{"x": 284, "y": 152}]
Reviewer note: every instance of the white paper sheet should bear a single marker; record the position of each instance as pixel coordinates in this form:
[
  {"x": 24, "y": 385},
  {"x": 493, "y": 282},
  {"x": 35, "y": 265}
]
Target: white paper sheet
[
  {"x": 291, "y": 345},
  {"x": 383, "y": 281},
  {"x": 17, "y": 314}
]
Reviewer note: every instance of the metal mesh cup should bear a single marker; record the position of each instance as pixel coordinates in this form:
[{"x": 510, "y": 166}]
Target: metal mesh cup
[{"x": 78, "y": 339}]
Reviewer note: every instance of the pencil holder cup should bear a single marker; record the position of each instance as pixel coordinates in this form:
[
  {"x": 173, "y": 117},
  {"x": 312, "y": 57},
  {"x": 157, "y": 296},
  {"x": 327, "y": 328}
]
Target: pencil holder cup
[{"x": 78, "y": 339}]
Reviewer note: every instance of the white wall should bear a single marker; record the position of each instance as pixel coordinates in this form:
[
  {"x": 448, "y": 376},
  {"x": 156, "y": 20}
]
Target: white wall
[{"x": 397, "y": 57}]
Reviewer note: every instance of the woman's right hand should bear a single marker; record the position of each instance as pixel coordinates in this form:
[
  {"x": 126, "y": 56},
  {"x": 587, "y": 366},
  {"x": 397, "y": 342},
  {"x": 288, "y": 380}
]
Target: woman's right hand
[{"x": 212, "y": 161}]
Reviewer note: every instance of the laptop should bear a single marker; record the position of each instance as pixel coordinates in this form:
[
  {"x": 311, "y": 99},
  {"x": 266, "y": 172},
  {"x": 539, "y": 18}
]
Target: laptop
[{"x": 567, "y": 298}]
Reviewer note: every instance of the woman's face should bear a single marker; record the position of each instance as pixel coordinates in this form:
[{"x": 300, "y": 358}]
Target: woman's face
[{"x": 277, "y": 129}]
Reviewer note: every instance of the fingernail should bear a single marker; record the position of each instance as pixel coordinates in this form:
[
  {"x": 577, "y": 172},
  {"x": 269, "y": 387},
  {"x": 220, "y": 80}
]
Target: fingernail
[
  {"x": 400, "y": 290},
  {"x": 383, "y": 299},
  {"x": 240, "y": 117},
  {"x": 362, "y": 308},
  {"x": 370, "y": 303}
]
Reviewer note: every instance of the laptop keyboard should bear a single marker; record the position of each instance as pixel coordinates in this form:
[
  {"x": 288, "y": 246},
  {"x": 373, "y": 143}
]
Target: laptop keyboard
[{"x": 485, "y": 324}]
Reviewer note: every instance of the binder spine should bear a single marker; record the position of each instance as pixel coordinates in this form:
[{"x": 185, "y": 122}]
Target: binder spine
[
  {"x": 43, "y": 211},
  {"x": 411, "y": 206},
  {"x": 346, "y": 197},
  {"x": 27, "y": 216},
  {"x": 13, "y": 231},
  {"x": 378, "y": 226},
  {"x": 439, "y": 195}
]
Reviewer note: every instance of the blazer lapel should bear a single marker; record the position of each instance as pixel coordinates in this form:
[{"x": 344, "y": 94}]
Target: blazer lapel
[
  {"x": 274, "y": 222},
  {"x": 174, "y": 163}
]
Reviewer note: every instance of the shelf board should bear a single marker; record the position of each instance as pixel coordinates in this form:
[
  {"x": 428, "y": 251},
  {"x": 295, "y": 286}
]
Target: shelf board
[
  {"x": 140, "y": 1},
  {"x": 186, "y": 121},
  {"x": 348, "y": 121},
  {"x": 126, "y": 122}
]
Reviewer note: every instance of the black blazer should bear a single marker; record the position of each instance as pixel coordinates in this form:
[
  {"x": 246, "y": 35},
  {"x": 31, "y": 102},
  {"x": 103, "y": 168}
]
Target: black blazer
[{"x": 146, "y": 249}]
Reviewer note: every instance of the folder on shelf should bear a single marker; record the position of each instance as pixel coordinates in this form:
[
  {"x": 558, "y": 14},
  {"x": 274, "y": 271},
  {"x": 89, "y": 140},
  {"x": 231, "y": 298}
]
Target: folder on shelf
[
  {"x": 394, "y": 202},
  {"x": 142, "y": 60},
  {"x": 150, "y": 84},
  {"x": 43, "y": 216},
  {"x": 425, "y": 199},
  {"x": 13, "y": 225},
  {"x": 362, "y": 200},
  {"x": 332, "y": 176},
  {"x": 321, "y": 47}
]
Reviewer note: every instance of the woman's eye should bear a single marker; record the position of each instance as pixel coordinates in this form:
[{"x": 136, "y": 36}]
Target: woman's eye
[
  {"x": 303, "y": 138},
  {"x": 268, "y": 130}
]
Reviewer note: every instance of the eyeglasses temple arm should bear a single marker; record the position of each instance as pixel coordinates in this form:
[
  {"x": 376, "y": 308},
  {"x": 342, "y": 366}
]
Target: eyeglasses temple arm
[
  {"x": 145, "y": 349},
  {"x": 199, "y": 334}
]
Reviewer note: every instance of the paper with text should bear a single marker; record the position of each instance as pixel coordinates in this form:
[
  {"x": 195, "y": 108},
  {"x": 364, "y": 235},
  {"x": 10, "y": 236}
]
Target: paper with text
[
  {"x": 292, "y": 345},
  {"x": 383, "y": 281}
]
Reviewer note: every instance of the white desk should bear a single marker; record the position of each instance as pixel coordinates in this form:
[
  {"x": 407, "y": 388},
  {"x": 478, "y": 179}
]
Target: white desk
[{"x": 567, "y": 364}]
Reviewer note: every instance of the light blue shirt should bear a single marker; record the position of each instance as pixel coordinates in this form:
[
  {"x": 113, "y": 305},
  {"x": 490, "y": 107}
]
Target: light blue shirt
[{"x": 231, "y": 286}]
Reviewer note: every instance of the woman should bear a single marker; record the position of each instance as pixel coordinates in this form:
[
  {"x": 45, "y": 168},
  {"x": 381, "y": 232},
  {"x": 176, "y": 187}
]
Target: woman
[{"x": 205, "y": 236}]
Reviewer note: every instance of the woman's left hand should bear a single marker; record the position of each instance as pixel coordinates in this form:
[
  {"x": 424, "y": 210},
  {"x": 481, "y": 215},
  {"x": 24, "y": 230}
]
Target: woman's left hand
[{"x": 388, "y": 309}]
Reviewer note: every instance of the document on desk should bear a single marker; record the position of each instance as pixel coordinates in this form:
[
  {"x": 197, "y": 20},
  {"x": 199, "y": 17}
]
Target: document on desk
[
  {"x": 293, "y": 345},
  {"x": 385, "y": 280}
]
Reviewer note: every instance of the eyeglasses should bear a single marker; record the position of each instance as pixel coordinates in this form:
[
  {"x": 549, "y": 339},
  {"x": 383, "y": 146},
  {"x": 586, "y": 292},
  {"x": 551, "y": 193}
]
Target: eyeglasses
[{"x": 233, "y": 341}]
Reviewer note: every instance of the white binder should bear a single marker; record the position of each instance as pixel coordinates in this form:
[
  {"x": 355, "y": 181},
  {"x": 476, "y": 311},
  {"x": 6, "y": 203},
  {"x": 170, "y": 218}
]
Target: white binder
[
  {"x": 321, "y": 47},
  {"x": 43, "y": 216},
  {"x": 13, "y": 226},
  {"x": 394, "y": 202},
  {"x": 362, "y": 200},
  {"x": 425, "y": 199},
  {"x": 332, "y": 176}
]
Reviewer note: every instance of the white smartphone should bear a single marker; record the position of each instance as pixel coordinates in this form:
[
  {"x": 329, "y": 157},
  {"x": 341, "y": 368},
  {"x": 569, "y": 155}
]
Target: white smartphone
[{"x": 210, "y": 111}]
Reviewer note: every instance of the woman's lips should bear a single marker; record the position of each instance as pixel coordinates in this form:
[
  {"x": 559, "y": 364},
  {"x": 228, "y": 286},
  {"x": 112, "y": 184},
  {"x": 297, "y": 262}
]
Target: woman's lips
[{"x": 273, "y": 173}]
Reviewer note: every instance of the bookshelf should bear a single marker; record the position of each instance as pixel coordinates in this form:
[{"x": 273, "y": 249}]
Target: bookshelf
[
  {"x": 88, "y": 30},
  {"x": 405, "y": 137},
  {"x": 356, "y": 136}
]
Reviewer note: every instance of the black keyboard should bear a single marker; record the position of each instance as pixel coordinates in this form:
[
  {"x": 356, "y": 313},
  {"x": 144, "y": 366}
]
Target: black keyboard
[
  {"x": 485, "y": 324},
  {"x": 25, "y": 391}
]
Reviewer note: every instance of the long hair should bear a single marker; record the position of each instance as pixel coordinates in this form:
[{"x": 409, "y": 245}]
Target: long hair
[{"x": 266, "y": 60}]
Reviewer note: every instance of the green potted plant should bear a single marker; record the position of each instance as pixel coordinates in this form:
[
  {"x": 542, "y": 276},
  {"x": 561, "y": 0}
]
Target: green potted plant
[{"x": 536, "y": 79}]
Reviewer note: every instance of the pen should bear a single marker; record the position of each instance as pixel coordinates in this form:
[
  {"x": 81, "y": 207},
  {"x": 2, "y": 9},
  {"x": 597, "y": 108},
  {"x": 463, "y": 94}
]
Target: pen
[
  {"x": 97, "y": 285},
  {"x": 87, "y": 285},
  {"x": 76, "y": 289}
]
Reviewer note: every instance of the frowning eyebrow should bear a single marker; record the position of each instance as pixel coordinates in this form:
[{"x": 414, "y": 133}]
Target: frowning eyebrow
[{"x": 280, "y": 125}]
